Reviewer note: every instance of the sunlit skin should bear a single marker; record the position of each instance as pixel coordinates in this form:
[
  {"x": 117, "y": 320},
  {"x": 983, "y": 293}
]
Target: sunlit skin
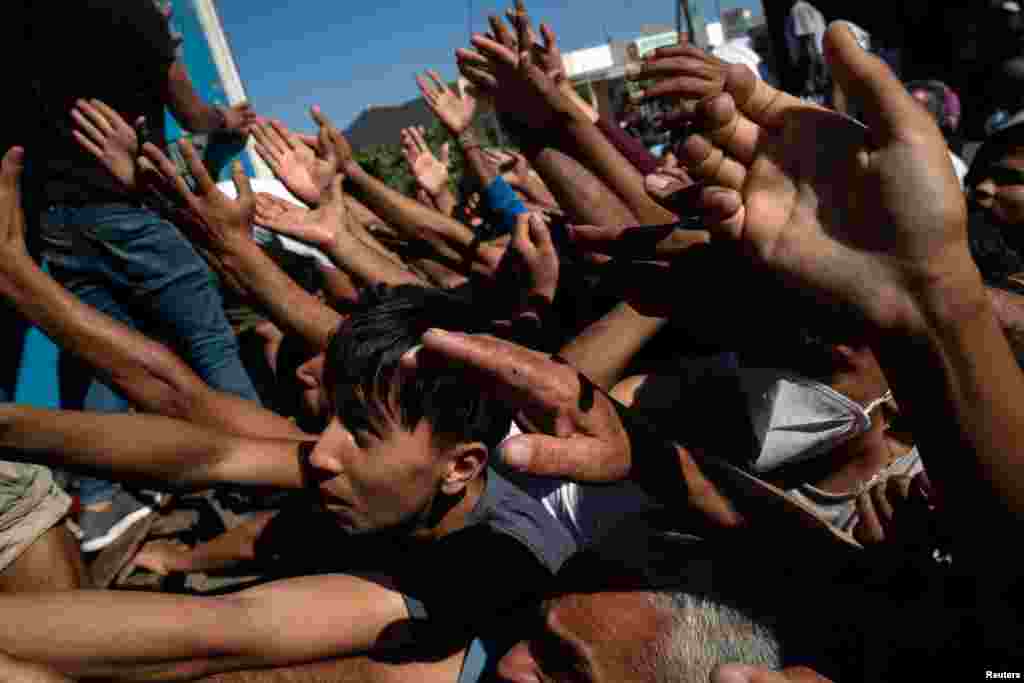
[
  {"x": 588, "y": 638},
  {"x": 1000, "y": 188}
]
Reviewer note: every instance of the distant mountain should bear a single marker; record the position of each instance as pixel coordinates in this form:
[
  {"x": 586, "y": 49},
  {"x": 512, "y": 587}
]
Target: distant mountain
[{"x": 382, "y": 125}]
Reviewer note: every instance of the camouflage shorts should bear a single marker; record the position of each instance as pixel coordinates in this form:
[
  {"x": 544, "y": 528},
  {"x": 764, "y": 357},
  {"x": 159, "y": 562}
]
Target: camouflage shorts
[{"x": 31, "y": 503}]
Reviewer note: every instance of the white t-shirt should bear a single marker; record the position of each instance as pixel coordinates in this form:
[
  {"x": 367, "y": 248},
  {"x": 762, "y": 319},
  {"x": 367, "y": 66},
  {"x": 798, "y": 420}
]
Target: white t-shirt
[
  {"x": 738, "y": 51},
  {"x": 260, "y": 234},
  {"x": 805, "y": 20}
]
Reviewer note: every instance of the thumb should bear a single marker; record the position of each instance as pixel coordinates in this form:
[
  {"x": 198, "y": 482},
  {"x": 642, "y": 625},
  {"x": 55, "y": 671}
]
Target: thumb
[
  {"x": 242, "y": 184},
  {"x": 723, "y": 212},
  {"x": 13, "y": 165},
  {"x": 889, "y": 110}
]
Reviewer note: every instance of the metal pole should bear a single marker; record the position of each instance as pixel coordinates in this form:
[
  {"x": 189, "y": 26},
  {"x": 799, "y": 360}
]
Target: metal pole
[{"x": 694, "y": 38}]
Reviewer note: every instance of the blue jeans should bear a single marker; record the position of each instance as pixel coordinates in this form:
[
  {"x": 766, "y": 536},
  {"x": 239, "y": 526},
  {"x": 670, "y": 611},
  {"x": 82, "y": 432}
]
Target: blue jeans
[{"x": 137, "y": 268}]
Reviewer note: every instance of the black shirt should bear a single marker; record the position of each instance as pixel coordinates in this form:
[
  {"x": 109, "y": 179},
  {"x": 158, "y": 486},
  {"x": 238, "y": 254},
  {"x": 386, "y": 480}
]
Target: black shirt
[{"x": 116, "y": 51}]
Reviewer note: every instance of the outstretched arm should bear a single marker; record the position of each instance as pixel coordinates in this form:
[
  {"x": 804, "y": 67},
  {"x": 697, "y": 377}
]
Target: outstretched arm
[
  {"x": 148, "y": 449},
  {"x": 224, "y": 226},
  {"x": 145, "y": 371},
  {"x": 149, "y": 636}
]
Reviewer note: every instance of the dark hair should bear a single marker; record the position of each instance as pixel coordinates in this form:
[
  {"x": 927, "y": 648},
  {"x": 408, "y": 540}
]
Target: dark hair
[{"x": 362, "y": 360}]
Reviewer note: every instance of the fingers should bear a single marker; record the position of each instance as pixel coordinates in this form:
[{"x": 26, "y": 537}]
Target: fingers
[
  {"x": 111, "y": 116},
  {"x": 95, "y": 116},
  {"x": 525, "y": 33},
  {"x": 889, "y": 110},
  {"x": 11, "y": 168},
  {"x": 710, "y": 164},
  {"x": 281, "y": 135},
  {"x": 204, "y": 183},
  {"x": 496, "y": 52},
  {"x": 242, "y": 184},
  {"x": 518, "y": 373},
  {"x": 442, "y": 87},
  {"x": 446, "y": 154},
  {"x": 426, "y": 90},
  {"x": 579, "y": 459},
  {"x": 167, "y": 171},
  {"x": 265, "y": 147},
  {"x": 419, "y": 141},
  {"x": 550, "y": 39},
  {"x": 502, "y": 33},
  {"x": 85, "y": 124},
  {"x": 648, "y": 242},
  {"x": 869, "y": 526},
  {"x": 540, "y": 234}
]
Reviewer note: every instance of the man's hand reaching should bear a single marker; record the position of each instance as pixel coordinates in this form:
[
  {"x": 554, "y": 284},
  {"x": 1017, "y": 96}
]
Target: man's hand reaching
[
  {"x": 431, "y": 173},
  {"x": 306, "y": 171},
  {"x": 454, "y": 110},
  {"x": 211, "y": 218},
  {"x": 102, "y": 132}
]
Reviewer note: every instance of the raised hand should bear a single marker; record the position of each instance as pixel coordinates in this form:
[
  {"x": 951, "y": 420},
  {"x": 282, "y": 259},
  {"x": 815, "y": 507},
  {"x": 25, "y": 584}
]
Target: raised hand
[
  {"x": 211, "y": 218},
  {"x": 321, "y": 227},
  {"x": 520, "y": 88},
  {"x": 533, "y": 247},
  {"x": 102, "y": 132},
  {"x": 332, "y": 141},
  {"x": 305, "y": 171},
  {"x": 273, "y": 212},
  {"x": 683, "y": 72},
  {"x": 240, "y": 119},
  {"x": 868, "y": 217},
  {"x": 454, "y": 110},
  {"x": 897, "y": 510},
  {"x": 430, "y": 172}
]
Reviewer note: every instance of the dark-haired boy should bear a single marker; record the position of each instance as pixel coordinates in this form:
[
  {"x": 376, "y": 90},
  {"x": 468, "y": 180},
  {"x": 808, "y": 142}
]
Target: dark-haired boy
[{"x": 402, "y": 471}]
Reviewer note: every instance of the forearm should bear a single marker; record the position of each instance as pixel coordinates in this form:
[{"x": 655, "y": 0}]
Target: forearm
[
  {"x": 145, "y": 371},
  {"x": 964, "y": 393},
  {"x": 147, "y": 449},
  {"x": 137, "y": 631},
  {"x": 194, "y": 115},
  {"x": 604, "y": 350},
  {"x": 598, "y": 154},
  {"x": 368, "y": 265},
  {"x": 581, "y": 195},
  {"x": 410, "y": 217},
  {"x": 290, "y": 306}
]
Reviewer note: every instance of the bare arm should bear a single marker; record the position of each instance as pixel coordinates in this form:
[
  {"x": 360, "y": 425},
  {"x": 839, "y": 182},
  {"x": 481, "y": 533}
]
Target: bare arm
[
  {"x": 603, "y": 350},
  {"x": 149, "y": 636},
  {"x": 198, "y": 116},
  {"x": 146, "y": 448},
  {"x": 584, "y": 198},
  {"x": 223, "y": 226},
  {"x": 148, "y": 373}
]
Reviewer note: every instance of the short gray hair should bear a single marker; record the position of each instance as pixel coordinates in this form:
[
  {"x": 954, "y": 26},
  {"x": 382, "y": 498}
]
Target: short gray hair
[{"x": 704, "y": 633}]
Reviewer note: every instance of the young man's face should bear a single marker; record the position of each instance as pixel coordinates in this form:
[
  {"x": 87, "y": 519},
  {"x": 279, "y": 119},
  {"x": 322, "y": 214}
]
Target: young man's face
[{"x": 377, "y": 479}]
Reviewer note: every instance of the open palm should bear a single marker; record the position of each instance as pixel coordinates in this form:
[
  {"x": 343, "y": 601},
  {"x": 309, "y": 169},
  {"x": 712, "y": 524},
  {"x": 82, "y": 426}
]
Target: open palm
[
  {"x": 865, "y": 216},
  {"x": 305, "y": 173},
  {"x": 430, "y": 172},
  {"x": 454, "y": 110}
]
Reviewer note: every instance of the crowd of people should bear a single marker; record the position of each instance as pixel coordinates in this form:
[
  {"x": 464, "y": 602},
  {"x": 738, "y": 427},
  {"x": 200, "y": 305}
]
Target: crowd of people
[{"x": 743, "y": 411}]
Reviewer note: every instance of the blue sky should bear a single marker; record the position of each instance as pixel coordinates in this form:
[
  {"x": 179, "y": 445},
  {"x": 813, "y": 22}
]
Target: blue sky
[{"x": 348, "y": 54}]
